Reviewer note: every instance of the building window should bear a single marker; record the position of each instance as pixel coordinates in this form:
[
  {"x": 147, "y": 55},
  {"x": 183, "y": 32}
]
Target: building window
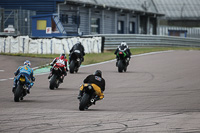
[
  {"x": 64, "y": 18},
  {"x": 95, "y": 26},
  {"x": 120, "y": 27},
  {"x": 132, "y": 27},
  {"x": 41, "y": 24},
  {"x": 75, "y": 19}
]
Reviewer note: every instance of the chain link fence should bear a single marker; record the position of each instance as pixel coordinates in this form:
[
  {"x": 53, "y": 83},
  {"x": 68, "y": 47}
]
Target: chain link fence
[{"x": 19, "y": 19}]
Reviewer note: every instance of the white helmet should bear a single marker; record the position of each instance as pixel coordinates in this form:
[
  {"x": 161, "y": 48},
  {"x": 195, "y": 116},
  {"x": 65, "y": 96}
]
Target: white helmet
[
  {"x": 27, "y": 62},
  {"x": 124, "y": 44}
]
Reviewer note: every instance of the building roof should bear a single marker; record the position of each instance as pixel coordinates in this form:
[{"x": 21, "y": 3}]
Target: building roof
[
  {"x": 179, "y": 9},
  {"x": 147, "y": 6}
]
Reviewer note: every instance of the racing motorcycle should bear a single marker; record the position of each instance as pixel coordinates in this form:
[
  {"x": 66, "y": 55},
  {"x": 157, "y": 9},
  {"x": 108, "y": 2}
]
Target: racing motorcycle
[
  {"x": 122, "y": 62},
  {"x": 75, "y": 61},
  {"x": 57, "y": 76},
  {"x": 21, "y": 90},
  {"x": 89, "y": 97}
]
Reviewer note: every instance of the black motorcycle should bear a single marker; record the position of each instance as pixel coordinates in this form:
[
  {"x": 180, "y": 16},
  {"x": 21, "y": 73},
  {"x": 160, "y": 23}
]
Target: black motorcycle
[
  {"x": 89, "y": 97},
  {"x": 55, "y": 79},
  {"x": 122, "y": 62},
  {"x": 75, "y": 61},
  {"x": 21, "y": 90}
]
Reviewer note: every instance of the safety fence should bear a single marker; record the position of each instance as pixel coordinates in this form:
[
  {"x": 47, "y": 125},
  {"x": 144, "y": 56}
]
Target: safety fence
[
  {"x": 24, "y": 44},
  {"x": 19, "y": 19},
  {"x": 193, "y": 32},
  {"x": 92, "y": 44},
  {"x": 140, "y": 40}
]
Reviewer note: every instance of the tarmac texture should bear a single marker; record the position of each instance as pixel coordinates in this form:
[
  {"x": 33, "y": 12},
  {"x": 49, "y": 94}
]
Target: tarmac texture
[{"x": 159, "y": 93}]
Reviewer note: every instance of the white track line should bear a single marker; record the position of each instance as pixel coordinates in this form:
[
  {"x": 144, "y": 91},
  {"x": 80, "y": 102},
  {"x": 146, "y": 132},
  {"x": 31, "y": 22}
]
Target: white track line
[
  {"x": 3, "y": 79},
  {"x": 151, "y": 53}
]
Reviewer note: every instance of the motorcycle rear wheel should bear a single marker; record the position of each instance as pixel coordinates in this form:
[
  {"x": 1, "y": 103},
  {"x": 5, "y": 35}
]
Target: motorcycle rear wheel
[
  {"x": 72, "y": 66},
  {"x": 84, "y": 101},
  {"x": 52, "y": 82},
  {"x": 18, "y": 93},
  {"x": 120, "y": 66}
]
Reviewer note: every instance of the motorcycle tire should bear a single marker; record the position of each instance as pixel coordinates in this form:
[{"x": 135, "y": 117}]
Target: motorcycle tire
[
  {"x": 52, "y": 82},
  {"x": 120, "y": 66},
  {"x": 18, "y": 93},
  {"x": 84, "y": 101},
  {"x": 71, "y": 66}
]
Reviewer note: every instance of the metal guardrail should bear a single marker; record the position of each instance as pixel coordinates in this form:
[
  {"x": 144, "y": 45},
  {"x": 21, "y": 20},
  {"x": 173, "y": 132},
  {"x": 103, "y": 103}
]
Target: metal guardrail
[{"x": 140, "y": 40}]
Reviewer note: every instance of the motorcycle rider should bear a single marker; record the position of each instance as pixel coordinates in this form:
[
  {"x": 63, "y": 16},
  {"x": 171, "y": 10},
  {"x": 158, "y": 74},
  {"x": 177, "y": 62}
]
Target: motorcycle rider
[
  {"x": 78, "y": 46},
  {"x": 97, "y": 82},
  {"x": 123, "y": 46},
  {"x": 27, "y": 71},
  {"x": 64, "y": 69}
]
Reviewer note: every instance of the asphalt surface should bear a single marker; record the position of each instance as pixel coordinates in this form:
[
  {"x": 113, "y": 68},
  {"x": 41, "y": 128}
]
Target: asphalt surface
[{"x": 159, "y": 93}]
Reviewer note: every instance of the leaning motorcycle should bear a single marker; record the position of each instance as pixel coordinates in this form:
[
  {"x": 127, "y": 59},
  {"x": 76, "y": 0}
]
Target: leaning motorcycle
[
  {"x": 89, "y": 97},
  {"x": 75, "y": 61},
  {"x": 21, "y": 90},
  {"x": 54, "y": 81},
  {"x": 122, "y": 62}
]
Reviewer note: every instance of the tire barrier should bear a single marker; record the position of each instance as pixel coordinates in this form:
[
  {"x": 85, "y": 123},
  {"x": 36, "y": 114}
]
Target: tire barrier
[{"x": 24, "y": 44}]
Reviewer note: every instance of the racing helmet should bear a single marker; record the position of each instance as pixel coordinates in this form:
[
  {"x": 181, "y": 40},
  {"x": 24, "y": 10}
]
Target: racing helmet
[
  {"x": 98, "y": 73},
  {"x": 78, "y": 43},
  {"x": 27, "y": 62},
  {"x": 124, "y": 44},
  {"x": 62, "y": 56}
]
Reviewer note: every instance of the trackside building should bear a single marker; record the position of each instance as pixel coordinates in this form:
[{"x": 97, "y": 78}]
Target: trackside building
[{"x": 89, "y": 17}]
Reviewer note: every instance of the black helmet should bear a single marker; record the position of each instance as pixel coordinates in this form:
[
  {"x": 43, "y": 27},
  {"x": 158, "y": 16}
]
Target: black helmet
[
  {"x": 98, "y": 73},
  {"x": 78, "y": 43}
]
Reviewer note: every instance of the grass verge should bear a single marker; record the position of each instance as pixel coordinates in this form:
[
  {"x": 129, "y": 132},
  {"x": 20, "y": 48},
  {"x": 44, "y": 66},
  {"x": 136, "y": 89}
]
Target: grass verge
[{"x": 107, "y": 55}]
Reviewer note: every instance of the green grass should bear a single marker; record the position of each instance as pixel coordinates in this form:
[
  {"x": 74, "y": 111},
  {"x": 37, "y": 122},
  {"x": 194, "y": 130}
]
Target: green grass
[{"x": 107, "y": 55}]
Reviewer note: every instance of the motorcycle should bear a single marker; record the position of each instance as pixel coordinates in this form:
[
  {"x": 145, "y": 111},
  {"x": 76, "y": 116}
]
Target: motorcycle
[
  {"x": 21, "y": 90},
  {"x": 75, "y": 61},
  {"x": 122, "y": 62},
  {"x": 89, "y": 97},
  {"x": 57, "y": 76}
]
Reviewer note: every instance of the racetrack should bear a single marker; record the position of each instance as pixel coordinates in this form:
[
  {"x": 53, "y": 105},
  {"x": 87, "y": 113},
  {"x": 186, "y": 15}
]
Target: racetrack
[{"x": 159, "y": 93}]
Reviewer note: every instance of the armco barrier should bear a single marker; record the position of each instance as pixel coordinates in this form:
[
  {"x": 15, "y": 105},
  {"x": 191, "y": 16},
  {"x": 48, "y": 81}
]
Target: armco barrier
[
  {"x": 140, "y": 40},
  {"x": 24, "y": 44}
]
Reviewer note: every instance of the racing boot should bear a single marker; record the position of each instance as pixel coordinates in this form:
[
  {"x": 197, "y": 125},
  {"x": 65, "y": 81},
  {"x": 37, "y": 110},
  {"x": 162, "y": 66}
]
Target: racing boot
[
  {"x": 49, "y": 75},
  {"x": 13, "y": 89},
  {"x": 14, "y": 86},
  {"x": 62, "y": 78},
  {"x": 80, "y": 94},
  {"x": 29, "y": 87},
  {"x": 117, "y": 62}
]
